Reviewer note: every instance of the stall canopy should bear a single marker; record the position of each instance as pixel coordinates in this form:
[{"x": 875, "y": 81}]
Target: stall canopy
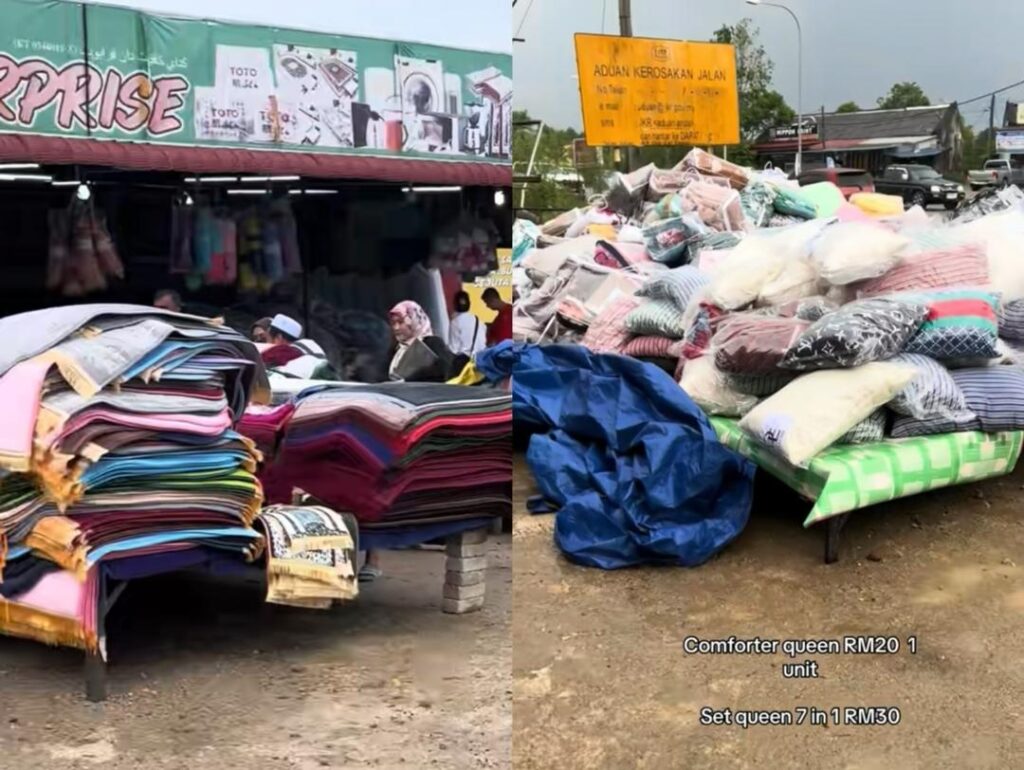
[{"x": 96, "y": 85}]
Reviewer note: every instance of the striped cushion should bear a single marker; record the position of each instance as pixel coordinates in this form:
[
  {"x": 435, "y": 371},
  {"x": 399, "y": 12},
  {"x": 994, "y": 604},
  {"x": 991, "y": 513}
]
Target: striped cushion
[
  {"x": 656, "y": 318},
  {"x": 1011, "y": 320},
  {"x": 964, "y": 265},
  {"x": 960, "y": 324},
  {"x": 871, "y": 428},
  {"x": 677, "y": 286},
  {"x": 932, "y": 393},
  {"x": 652, "y": 347},
  {"x": 607, "y": 333},
  {"x": 995, "y": 394}
]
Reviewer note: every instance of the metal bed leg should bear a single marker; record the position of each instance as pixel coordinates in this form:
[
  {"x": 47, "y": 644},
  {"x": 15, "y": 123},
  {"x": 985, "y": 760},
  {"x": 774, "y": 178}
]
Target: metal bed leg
[
  {"x": 833, "y": 528},
  {"x": 95, "y": 677},
  {"x": 96, "y": 662}
]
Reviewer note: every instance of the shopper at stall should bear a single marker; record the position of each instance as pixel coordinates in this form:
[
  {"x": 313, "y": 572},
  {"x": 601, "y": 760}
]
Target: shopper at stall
[
  {"x": 284, "y": 332},
  {"x": 260, "y": 330},
  {"x": 168, "y": 299},
  {"x": 501, "y": 327},
  {"x": 467, "y": 334},
  {"x": 420, "y": 356}
]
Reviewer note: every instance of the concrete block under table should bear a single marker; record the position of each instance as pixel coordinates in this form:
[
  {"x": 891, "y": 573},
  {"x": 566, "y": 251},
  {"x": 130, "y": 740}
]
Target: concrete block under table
[
  {"x": 465, "y": 572},
  {"x": 462, "y": 606},
  {"x": 466, "y": 550},
  {"x": 464, "y": 592},
  {"x": 465, "y": 578}
]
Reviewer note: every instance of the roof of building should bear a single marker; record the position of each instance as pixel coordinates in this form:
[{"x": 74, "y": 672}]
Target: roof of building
[
  {"x": 880, "y": 124},
  {"x": 911, "y": 127}
]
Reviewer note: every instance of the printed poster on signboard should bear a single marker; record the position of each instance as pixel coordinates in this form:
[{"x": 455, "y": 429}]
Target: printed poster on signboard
[{"x": 181, "y": 81}]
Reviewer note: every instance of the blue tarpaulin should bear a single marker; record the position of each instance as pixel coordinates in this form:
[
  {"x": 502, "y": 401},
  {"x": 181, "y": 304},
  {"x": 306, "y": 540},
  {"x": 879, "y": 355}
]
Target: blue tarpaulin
[{"x": 630, "y": 463}]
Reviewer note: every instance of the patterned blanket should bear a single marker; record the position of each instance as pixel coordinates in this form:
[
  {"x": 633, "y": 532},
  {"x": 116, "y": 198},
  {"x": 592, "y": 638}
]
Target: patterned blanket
[
  {"x": 845, "y": 478},
  {"x": 311, "y": 555}
]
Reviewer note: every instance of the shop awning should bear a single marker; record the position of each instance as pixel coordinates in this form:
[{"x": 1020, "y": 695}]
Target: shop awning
[
  {"x": 138, "y": 156},
  {"x": 909, "y": 153}
]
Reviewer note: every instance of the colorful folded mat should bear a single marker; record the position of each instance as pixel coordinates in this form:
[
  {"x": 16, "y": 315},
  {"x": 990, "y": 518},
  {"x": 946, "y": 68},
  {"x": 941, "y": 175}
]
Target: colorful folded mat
[
  {"x": 117, "y": 443},
  {"x": 395, "y": 455}
]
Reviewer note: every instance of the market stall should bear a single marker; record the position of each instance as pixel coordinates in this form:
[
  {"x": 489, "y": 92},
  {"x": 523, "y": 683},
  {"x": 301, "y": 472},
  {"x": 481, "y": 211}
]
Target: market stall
[
  {"x": 857, "y": 351},
  {"x": 253, "y": 170}
]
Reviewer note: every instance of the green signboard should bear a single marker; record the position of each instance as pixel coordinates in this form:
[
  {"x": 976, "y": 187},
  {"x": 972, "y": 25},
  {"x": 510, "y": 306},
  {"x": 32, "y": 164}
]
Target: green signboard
[{"x": 111, "y": 73}]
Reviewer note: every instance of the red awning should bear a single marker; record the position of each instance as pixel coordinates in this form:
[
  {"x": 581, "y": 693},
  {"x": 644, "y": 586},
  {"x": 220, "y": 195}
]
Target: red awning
[{"x": 209, "y": 160}]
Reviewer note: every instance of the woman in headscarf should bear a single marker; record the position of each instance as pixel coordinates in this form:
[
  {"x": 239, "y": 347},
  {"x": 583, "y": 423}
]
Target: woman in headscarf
[{"x": 420, "y": 356}]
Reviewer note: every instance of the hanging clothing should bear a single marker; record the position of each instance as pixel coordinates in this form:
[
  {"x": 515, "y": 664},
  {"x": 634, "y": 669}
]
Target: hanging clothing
[{"x": 467, "y": 334}]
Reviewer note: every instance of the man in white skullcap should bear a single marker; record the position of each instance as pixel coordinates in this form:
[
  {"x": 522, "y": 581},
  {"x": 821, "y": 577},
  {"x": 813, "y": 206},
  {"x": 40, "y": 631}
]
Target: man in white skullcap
[{"x": 284, "y": 332}]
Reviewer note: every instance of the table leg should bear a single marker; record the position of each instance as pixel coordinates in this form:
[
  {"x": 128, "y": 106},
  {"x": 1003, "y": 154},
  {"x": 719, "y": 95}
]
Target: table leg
[
  {"x": 95, "y": 677},
  {"x": 833, "y": 528},
  {"x": 465, "y": 577}
]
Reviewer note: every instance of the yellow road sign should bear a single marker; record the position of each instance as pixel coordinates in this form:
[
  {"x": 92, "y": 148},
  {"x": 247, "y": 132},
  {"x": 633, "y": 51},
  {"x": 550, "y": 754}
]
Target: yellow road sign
[{"x": 641, "y": 91}]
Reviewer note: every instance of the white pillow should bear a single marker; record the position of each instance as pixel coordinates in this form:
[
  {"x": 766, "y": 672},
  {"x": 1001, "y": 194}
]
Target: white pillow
[
  {"x": 797, "y": 280},
  {"x": 815, "y": 410},
  {"x": 758, "y": 261},
  {"x": 711, "y": 391},
  {"x": 855, "y": 251}
]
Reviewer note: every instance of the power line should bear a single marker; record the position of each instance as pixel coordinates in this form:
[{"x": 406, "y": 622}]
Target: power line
[
  {"x": 526, "y": 13},
  {"x": 987, "y": 94}
]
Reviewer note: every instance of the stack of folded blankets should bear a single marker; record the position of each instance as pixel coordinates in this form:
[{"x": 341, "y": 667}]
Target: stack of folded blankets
[
  {"x": 395, "y": 455},
  {"x": 117, "y": 445}
]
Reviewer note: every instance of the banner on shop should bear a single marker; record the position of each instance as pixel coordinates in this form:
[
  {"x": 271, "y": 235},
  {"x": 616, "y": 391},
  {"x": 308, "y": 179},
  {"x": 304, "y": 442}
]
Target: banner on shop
[
  {"x": 113, "y": 73},
  {"x": 1010, "y": 141},
  {"x": 640, "y": 91}
]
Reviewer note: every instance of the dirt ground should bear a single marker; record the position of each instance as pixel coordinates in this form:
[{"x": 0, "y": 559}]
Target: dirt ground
[
  {"x": 217, "y": 679},
  {"x": 601, "y": 680}
]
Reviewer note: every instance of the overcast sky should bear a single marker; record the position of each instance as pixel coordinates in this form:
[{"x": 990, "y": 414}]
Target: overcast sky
[
  {"x": 479, "y": 24},
  {"x": 853, "y": 49}
]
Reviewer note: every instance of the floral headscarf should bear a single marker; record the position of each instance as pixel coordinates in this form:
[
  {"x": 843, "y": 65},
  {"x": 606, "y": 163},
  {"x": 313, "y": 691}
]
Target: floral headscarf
[{"x": 409, "y": 322}]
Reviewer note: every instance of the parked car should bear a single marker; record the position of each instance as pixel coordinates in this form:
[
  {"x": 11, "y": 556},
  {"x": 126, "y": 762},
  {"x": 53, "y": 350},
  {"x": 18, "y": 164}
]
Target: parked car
[
  {"x": 849, "y": 180},
  {"x": 920, "y": 186},
  {"x": 998, "y": 172}
]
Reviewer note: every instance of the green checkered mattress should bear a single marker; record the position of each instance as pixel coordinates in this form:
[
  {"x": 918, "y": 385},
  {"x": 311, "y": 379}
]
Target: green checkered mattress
[{"x": 845, "y": 478}]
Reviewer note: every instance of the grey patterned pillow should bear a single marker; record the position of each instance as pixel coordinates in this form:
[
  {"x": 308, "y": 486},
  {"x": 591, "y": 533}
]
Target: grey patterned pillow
[
  {"x": 871, "y": 428},
  {"x": 932, "y": 393},
  {"x": 659, "y": 318},
  {"x": 857, "y": 333},
  {"x": 1011, "y": 320},
  {"x": 760, "y": 384},
  {"x": 677, "y": 286}
]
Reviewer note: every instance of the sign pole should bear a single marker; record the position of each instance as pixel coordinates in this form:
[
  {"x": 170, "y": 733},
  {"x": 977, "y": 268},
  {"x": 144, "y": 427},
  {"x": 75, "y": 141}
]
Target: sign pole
[{"x": 626, "y": 30}]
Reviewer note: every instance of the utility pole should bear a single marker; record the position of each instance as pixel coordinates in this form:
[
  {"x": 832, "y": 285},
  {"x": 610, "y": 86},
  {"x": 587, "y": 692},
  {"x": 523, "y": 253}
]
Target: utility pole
[
  {"x": 626, "y": 30},
  {"x": 992, "y": 124}
]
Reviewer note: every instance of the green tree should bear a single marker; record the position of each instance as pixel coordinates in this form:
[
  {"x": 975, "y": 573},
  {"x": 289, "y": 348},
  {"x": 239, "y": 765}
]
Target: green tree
[
  {"x": 760, "y": 106},
  {"x": 902, "y": 95},
  {"x": 848, "y": 107}
]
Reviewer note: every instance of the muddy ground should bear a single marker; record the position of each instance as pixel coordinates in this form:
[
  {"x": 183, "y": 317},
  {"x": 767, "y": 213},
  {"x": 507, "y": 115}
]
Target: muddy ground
[
  {"x": 205, "y": 678},
  {"x": 601, "y": 681}
]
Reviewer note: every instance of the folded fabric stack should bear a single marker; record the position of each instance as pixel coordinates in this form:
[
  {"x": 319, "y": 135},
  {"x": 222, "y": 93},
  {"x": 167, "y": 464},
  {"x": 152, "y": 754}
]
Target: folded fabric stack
[
  {"x": 396, "y": 454},
  {"x": 311, "y": 555},
  {"x": 118, "y": 444}
]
